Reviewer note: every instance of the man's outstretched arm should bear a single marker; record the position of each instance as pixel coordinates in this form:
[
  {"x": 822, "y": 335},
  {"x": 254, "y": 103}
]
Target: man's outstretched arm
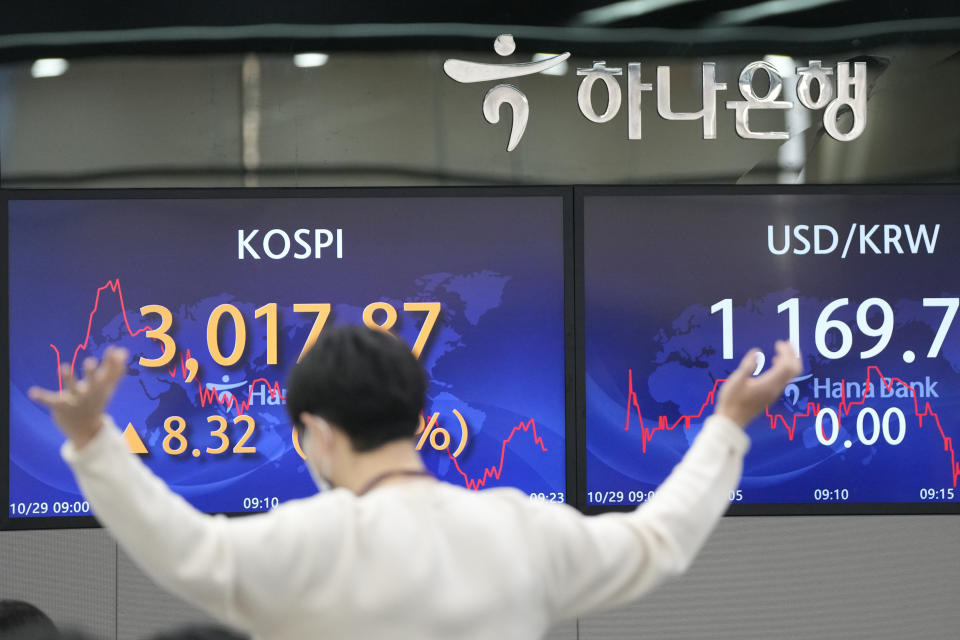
[
  {"x": 605, "y": 561},
  {"x": 220, "y": 565}
]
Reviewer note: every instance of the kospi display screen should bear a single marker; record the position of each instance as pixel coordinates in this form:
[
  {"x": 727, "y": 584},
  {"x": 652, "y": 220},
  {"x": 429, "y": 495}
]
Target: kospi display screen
[
  {"x": 678, "y": 286},
  {"x": 217, "y": 297}
]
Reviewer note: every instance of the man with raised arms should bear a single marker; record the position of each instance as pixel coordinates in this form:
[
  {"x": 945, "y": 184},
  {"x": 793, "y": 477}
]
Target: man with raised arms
[{"x": 390, "y": 552}]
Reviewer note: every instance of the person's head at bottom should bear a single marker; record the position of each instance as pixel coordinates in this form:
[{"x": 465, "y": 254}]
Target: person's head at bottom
[
  {"x": 19, "y": 619},
  {"x": 355, "y": 399},
  {"x": 200, "y": 632}
]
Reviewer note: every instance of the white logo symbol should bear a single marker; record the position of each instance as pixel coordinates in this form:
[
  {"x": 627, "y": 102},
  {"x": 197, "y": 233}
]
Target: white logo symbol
[{"x": 466, "y": 72}]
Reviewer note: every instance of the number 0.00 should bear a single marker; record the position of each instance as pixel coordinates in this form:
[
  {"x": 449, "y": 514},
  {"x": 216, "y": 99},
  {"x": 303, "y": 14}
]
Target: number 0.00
[{"x": 828, "y": 436}]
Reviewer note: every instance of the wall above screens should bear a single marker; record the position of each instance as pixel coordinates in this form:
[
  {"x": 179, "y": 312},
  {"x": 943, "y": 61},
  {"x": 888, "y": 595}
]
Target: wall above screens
[
  {"x": 675, "y": 285},
  {"x": 669, "y": 282},
  {"x": 472, "y": 279}
]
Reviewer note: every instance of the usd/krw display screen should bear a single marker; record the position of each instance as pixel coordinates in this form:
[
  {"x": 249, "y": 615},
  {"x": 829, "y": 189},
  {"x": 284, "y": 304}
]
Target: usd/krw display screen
[
  {"x": 217, "y": 298},
  {"x": 678, "y": 287}
]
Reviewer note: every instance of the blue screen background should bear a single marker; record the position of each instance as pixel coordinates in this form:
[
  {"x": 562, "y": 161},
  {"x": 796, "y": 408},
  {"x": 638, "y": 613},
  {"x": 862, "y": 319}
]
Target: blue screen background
[
  {"x": 496, "y": 354},
  {"x": 654, "y": 266}
]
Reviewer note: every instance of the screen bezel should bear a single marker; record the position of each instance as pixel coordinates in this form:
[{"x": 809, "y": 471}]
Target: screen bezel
[
  {"x": 565, "y": 193},
  {"x": 581, "y": 193}
]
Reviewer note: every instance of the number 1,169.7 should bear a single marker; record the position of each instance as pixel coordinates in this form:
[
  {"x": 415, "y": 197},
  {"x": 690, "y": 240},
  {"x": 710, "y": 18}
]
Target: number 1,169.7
[{"x": 868, "y": 313}]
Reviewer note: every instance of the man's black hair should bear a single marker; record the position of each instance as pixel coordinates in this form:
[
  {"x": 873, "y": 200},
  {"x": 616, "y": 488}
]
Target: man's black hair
[
  {"x": 19, "y": 619},
  {"x": 365, "y": 382}
]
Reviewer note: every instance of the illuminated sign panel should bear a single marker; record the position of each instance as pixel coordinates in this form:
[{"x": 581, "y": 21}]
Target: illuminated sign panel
[
  {"x": 677, "y": 287},
  {"x": 216, "y": 298}
]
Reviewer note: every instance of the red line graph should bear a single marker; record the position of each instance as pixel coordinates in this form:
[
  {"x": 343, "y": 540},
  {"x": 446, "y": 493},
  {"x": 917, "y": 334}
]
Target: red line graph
[
  {"x": 225, "y": 399},
  {"x": 113, "y": 285},
  {"x": 495, "y": 471},
  {"x": 207, "y": 395},
  {"x": 790, "y": 427},
  {"x": 228, "y": 400},
  {"x": 663, "y": 424}
]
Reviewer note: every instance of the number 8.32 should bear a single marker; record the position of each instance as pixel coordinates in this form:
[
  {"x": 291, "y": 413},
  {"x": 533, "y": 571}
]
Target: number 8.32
[{"x": 176, "y": 443}]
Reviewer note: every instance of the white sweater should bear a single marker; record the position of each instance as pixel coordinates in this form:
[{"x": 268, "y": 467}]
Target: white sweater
[{"x": 420, "y": 559}]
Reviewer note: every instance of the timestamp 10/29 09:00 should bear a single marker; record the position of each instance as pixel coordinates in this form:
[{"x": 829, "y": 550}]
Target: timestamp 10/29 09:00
[
  {"x": 45, "y": 508},
  {"x": 247, "y": 504},
  {"x": 825, "y": 494}
]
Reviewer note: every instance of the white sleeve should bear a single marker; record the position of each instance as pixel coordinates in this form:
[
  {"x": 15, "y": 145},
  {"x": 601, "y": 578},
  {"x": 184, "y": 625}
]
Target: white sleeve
[
  {"x": 605, "y": 561},
  {"x": 236, "y": 569}
]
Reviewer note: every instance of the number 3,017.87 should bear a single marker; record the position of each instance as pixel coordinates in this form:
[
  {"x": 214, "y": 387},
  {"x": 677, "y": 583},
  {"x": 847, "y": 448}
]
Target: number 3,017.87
[{"x": 270, "y": 313}]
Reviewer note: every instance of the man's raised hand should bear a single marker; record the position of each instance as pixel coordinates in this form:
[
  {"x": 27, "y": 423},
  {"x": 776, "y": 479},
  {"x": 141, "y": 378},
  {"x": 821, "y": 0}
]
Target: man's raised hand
[
  {"x": 743, "y": 396},
  {"x": 78, "y": 410}
]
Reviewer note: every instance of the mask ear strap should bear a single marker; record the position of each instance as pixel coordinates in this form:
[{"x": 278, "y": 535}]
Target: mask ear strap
[
  {"x": 323, "y": 483},
  {"x": 324, "y": 425}
]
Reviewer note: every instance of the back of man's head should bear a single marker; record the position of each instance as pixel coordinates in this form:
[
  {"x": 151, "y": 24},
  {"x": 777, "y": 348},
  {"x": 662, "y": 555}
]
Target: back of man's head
[
  {"x": 200, "y": 632},
  {"x": 19, "y": 619},
  {"x": 365, "y": 382}
]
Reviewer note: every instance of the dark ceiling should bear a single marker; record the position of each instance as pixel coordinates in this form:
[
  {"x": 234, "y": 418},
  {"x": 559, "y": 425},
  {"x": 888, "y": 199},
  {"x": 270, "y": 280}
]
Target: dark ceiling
[{"x": 669, "y": 27}]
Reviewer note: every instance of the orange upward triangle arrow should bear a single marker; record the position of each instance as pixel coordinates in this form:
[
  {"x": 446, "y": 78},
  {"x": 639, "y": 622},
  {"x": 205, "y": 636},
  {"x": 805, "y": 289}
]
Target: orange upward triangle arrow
[{"x": 133, "y": 440}]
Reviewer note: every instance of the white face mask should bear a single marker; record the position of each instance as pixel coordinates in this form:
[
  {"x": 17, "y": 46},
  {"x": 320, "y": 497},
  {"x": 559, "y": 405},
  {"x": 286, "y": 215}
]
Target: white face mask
[{"x": 319, "y": 469}]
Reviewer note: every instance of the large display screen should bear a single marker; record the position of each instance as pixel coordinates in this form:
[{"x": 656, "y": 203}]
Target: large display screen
[
  {"x": 677, "y": 287},
  {"x": 216, "y": 298}
]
